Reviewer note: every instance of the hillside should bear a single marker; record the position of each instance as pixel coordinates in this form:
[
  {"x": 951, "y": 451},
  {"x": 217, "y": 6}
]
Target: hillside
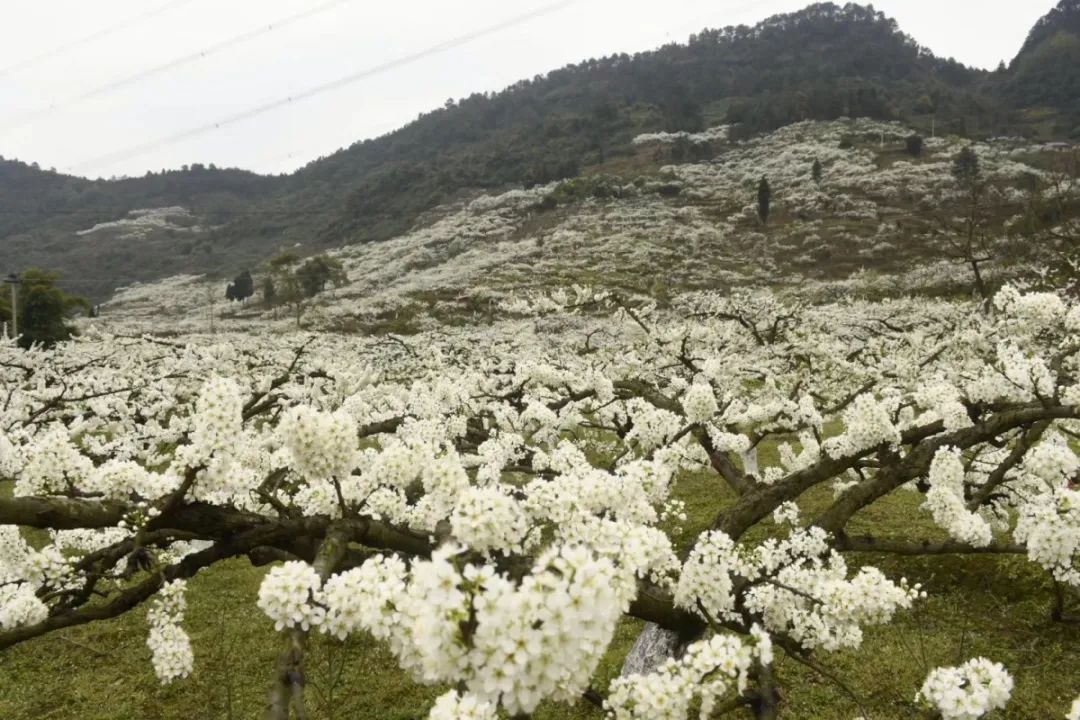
[
  {"x": 104, "y": 234},
  {"x": 879, "y": 223},
  {"x": 1046, "y": 73},
  {"x": 821, "y": 63}
]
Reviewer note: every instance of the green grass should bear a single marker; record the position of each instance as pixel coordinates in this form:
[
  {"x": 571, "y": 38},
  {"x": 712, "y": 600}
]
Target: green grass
[{"x": 981, "y": 605}]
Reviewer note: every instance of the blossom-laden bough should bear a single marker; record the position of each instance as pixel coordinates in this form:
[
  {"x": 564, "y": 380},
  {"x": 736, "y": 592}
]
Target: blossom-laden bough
[{"x": 490, "y": 502}]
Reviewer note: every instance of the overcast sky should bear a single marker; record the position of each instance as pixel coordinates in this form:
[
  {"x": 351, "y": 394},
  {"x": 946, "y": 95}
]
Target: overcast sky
[{"x": 55, "y": 51}]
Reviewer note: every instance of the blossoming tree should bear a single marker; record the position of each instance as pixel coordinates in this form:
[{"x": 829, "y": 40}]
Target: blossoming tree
[{"x": 491, "y": 502}]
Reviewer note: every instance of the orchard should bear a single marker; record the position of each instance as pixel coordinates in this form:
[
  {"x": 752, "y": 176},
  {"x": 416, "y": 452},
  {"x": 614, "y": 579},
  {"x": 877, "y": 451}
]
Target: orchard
[{"x": 491, "y": 502}]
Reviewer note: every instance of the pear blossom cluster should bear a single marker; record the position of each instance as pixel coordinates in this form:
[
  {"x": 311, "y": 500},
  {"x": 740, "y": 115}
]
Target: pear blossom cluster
[
  {"x": 285, "y": 596},
  {"x": 943, "y": 400},
  {"x": 53, "y": 466},
  {"x": 489, "y": 518},
  {"x": 867, "y": 423},
  {"x": 20, "y": 606},
  {"x": 511, "y": 644},
  {"x": 217, "y": 417},
  {"x": 707, "y": 671},
  {"x": 169, "y": 645},
  {"x": 945, "y": 500},
  {"x": 1052, "y": 461},
  {"x": 22, "y": 571},
  {"x": 699, "y": 402},
  {"x": 968, "y": 691},
  {"x": 321, "y": 445},
  {"x": 364, "y": 599},
  {"x": 1049, "y": 527},
  {"x": 456, "y": 706},
  {"x": 797, "y": 586}
]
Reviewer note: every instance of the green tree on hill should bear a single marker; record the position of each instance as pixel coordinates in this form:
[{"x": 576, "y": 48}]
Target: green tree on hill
[
  {"x": 317, "y": 272},
  {"x": 969, "y": 237},
  {"x": 269, "y": 291},
  {"x": 291, "y": 283},
  {"x": 966, "y": 169},
  {"x": 44, "y": 308}
]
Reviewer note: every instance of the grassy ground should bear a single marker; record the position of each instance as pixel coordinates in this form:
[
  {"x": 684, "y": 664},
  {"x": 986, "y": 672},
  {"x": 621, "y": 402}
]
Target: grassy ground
[{"x": 997, "y": 607}]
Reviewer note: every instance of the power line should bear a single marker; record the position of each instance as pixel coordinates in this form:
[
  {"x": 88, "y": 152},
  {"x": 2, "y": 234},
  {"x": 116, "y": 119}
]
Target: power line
[
  {"x": 105, "y": 32},
  {"x": 174, "y": 63},
  {"x": 144, "y": 148}
]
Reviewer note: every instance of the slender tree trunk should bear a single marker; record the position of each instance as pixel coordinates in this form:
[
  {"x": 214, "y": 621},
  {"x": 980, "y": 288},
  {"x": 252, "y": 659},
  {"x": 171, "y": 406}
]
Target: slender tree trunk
[
  {"x": 287, "y": 690},
  {"x": 653, "y": 646},
  {"x": 750, "y": 461},
  {"x": 980, "y": 286},
  {"x": 767, "y": 705}
]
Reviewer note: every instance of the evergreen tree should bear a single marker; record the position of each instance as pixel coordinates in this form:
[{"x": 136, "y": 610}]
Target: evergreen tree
[
  {"x": 914, "y": 145},
  {"x": 269, "y": 292},
  {"x": 241, "y": 288},
  {"x": 966, "y": 169},
  {"x": 244, "y": 285},
  {"x": 317, "y": 271},
  {"x": 44, "y": 309},
  {"x": 764, "y": 198},
  {"x": 815, "y": 171}
]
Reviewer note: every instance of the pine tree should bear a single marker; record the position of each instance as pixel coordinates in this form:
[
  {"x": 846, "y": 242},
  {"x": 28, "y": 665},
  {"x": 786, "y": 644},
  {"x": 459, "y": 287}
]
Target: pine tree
[
  {"x": 815, "y": 171},
  {"x": 244, "y": 285},
  {"x": 764, "y": 197},
  {"x": 914, "y": 144},
  {"x": 44, "y": 309},
  {"x": 966, "y": 169}
]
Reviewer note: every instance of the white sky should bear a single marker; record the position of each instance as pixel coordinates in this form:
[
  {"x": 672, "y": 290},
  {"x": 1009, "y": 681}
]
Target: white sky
[{"x": 348, "y": 37}]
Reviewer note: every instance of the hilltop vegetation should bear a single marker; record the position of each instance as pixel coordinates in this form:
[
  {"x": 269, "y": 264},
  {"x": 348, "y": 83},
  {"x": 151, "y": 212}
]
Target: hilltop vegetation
[
  {"x": 1046, "y": 72},
  {"x": 821, "y": 63}
]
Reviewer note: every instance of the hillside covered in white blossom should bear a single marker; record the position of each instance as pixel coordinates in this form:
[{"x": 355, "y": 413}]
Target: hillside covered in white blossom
[{"x": 878, "y": 223}]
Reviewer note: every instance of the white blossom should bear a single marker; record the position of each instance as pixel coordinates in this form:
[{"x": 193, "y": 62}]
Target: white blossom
[{"x": 967, "y": 692}]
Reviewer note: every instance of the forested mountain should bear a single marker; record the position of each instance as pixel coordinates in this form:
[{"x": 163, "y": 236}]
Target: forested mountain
[
  {"x": 44, "y": 216},
  {"x": 823, "y": 62},
  {"x": 1046, "y": 72}
]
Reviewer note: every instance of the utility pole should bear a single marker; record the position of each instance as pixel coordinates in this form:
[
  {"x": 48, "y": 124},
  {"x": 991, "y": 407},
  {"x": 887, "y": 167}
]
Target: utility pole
[
  {"x": 13, "y": 280},
  {"x": 210, "y": 298}
]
